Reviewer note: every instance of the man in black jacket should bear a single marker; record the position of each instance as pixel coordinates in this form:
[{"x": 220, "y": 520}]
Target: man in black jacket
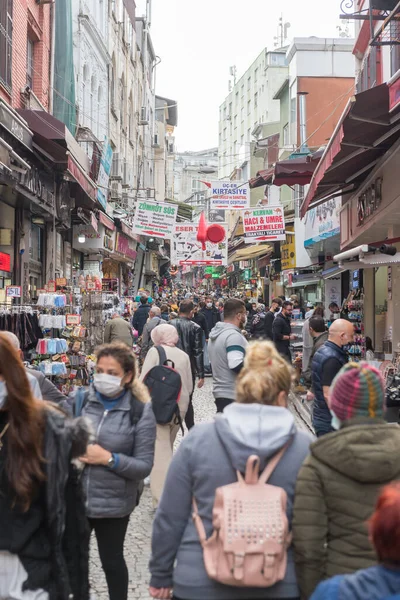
[
  {"x": 191, "y": 342},
  {"x": 270, "y": 318},
  {"x": 141, "y": 315},
  {"x": 211, "y": 313},
  {"x": 282, "y": 330}
]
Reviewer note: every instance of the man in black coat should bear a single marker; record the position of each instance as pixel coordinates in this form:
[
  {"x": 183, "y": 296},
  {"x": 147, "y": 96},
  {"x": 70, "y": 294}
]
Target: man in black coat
[
  {"x": 141, "y": 315},
  {"x": 270, "y": 318},
  {"x": 282, "y": 330},
  {"x": 211, "y": 313},
  {"x": 191, "y": 342}
]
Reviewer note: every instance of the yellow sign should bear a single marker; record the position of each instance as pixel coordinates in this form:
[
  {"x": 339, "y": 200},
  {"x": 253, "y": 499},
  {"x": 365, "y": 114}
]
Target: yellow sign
[{"x": 288, "y": 251}]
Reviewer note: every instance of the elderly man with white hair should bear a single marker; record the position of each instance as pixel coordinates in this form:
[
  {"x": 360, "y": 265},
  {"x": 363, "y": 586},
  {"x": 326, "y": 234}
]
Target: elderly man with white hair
[
  {"x": 153, "y": 321},
  {"x": 118, "y": 330},
  {"x": 14, "y": 341}
]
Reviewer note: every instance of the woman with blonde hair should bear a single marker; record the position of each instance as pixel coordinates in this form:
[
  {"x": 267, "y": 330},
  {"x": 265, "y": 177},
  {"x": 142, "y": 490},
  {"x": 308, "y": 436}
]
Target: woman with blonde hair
[
  {"x": 44, "y": 538},
  {"x": 258, "y": 423},
  {"x": 167, "y": 337}
]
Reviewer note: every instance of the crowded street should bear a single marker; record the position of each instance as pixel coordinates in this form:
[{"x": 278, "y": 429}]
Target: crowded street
[{"x": 138, "y": 538}]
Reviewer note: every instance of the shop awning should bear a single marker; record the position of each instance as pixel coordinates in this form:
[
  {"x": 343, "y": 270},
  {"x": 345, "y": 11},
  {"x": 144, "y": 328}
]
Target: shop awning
[
  {"x": 106, "y": 221},
  {"x": 363, "y": 135},
  {"x": 264, "y": 177},
  {"x": 297, "y": 170},
  {"x": 250, "y": 253},
  {"x": 304, "y": 283}
]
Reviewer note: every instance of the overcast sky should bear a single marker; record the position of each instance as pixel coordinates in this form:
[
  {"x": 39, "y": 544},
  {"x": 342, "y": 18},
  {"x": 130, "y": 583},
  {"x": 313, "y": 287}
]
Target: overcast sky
[{"x": 198, "y": 40}]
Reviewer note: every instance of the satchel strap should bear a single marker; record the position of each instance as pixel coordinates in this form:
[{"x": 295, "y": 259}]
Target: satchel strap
[
  {"x": 266, "y": 474},
  {"x": 201, "y": 532}
]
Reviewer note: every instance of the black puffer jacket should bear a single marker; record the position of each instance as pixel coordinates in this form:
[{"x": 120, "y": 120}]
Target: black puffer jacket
[{"x": 191, "y": 342}]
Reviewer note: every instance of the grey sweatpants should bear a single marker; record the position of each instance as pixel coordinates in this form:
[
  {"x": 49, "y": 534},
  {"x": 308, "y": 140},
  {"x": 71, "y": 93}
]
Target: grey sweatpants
[{"x": 12, "y": 577}]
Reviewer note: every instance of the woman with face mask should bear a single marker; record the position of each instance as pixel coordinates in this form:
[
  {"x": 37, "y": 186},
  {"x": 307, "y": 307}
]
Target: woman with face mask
[
  {"x": 118, "y": 406},
  {"x": 44, "y": 537}
]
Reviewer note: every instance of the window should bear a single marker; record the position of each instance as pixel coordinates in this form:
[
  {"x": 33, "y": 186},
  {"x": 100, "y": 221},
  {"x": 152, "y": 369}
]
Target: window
[
  {"x": 286, "y": 135},
  {"x": 85, "y": 108},
  {"x": 6, "y": 28},
  {"x": 255, "y": 75},
  {"x": 237, "y": 98},
  {"x": 235, "y": 121},
  {"x": 93, "y": 97},
  {"x": 29, "y": 62},
  {"x": 276, "y": 59},
  {"x": 113, "y": 83},
  {"x": 248, "y": 107},
  {"x": 131, "y": 115},
  {"x": 242, "y": 140},
  {"x": 249, "y": 83},
  {"x": 99, "y": 110},
  {"x": 242, "y": 114},
  {"x": 255, "y": 100},
  {"x": 122, "y": 101}
]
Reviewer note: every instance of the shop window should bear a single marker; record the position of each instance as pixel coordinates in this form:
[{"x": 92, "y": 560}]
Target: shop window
[
  {"x": 6, "y": 31},
  {"x": 36, "y": 243}
]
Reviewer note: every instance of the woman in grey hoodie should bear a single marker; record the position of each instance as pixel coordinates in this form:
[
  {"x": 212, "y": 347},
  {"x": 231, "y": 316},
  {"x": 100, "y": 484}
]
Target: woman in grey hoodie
[{"x": 257, "y": 423}]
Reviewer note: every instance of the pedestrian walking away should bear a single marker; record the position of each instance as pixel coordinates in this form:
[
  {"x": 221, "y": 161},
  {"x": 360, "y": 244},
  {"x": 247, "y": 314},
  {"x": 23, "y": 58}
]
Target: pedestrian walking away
[
  {"x": 257, "y": 328},
  {"x": 383, "y": 580},
  {"x": 258, "y": 424},
  {"x": 119, "y": 409},
  {"x": 282, "y": 330},
  {"x": 154, "y": 321},
  {"x": 319, "y": 335},
  {"x": 141, "y": 315},
  {"x": 167, "y": 337},
  {"x": 118, "y": 330},
  {"x": 308, "y": 338},
  {"x": 227, "y": 348},
  {"x": 44, "y": 535},
  {"x": 326, "y": 364},
  {"x": 340, "y": 481},
  {"x": 191, "y": 342}
]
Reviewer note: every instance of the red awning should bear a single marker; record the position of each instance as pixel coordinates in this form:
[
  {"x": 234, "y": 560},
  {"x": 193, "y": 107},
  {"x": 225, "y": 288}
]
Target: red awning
[
  {"x": 106, "y": 221},
  {"x": 262, "y": 178},
  {"x": 298, "y": 170},
  {"x": 363, "y": 135}
]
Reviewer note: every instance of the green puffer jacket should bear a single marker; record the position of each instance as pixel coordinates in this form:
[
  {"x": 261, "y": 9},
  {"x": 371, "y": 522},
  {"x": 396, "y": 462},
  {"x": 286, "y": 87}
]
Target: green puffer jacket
[{"x": 336, "y": 491}]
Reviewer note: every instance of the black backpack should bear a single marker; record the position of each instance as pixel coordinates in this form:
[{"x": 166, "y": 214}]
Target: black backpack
[{"x": 164, "y": 385}]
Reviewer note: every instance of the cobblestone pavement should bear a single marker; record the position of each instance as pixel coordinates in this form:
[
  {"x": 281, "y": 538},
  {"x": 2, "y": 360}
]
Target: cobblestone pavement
[{"x": 137, "y": 543}]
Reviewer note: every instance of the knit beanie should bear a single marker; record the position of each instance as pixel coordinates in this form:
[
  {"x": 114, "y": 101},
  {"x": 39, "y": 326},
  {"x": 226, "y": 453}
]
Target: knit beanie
[{"x": 358, "y": 390}]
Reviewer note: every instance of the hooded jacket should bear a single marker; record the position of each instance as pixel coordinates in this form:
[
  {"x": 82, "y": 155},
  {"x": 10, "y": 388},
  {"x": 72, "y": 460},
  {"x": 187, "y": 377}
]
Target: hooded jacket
[
  {"x": 140, "y": 317},
  {"x": 226, "y": 341},
  {"x": 207, "y": 459},
  {"x": 376, "y": 583},
  {"x": 336, "y": 492}
]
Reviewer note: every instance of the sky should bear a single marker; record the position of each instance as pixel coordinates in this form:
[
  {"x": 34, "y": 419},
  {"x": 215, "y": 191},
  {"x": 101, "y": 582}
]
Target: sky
[{"x": 198, "y": 40}]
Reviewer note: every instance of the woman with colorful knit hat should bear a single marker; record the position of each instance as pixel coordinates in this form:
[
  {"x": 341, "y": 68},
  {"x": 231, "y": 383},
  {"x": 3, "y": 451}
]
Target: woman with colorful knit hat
[{"x": 340, "y": 481}]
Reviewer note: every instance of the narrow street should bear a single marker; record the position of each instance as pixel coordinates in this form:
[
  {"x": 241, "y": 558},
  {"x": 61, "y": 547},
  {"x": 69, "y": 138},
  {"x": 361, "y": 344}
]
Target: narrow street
[{"x": 137, "y": 547}]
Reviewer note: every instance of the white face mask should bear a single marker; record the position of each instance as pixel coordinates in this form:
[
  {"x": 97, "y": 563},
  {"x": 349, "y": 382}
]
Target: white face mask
[
  {"x": 108, "y": 385},
  {"x": 209, "y": 304},
  {"x": 3, "y": 393},
  {"x": 336, "y": 423}
]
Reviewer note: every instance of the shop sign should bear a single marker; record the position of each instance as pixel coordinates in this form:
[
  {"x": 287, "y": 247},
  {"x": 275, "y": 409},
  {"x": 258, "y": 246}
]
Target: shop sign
[
  {"x": 263, "y": 224},
  {"x": 394, "y": 94},
  {"x": 51, "y": 286},
  {"x": 88, "y": 233},
  {"x": 186, "y": 249},
  {"x": 230, "y": 269},
  {"x": 288, "y": 252},
  {"x": 104, "y": 173},
  {"x": 73, "y": 319},
  {"x": 90, "y": 286},
  {"x": 32, "y": 181},
  {"x": 229, "y": 195},
  {"x": 15, "y": 126},
  {"x": 5, "y": 262},
  {"x": 123, "y": 246},
  {"x": 155, "y": 219},
  {"x": 61, "y": 281},
  {"x": 13, "y": 291},
  {"x": 369, "y": 202},
  {"x": 243, "y": 264},
  {"x": 247, "y": 274},
  {"x": 322, "y": 222},
  {"x": 5, "y": 237}
]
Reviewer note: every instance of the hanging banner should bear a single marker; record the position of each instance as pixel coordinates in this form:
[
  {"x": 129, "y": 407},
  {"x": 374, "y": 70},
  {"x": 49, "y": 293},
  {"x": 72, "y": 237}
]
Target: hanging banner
[
  {"x": 264, "y": 224},
  {"x": 228, "y": 195},
  {"x": 104, "y": 173},
  {"x": 155, "y": 219},
  {"x": 186, "y": 250}
]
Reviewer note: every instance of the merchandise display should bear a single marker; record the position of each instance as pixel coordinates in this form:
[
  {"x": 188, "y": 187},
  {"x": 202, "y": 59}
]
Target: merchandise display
[{"x": 354, "y": 306}]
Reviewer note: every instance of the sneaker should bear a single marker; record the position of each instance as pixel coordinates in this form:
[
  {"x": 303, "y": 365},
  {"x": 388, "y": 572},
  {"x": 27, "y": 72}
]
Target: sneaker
[{"x": 147, "y": 481}]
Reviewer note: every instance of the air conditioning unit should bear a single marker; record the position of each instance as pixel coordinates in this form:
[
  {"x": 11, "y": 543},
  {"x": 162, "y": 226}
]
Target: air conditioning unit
[
  {"x": 116, "y": 189},
  {"x": 155, "y": 141},
  {"x": 170, "y": 147},
  {"x": 144, "y": 117},
  {"x": 151, "y": 192},
  {"x": 117, "y": 169},
  {"x": 128, "y": 175}
]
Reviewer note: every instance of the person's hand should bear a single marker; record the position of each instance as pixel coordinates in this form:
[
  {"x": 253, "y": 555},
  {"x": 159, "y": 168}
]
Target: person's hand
[
  {"x": 96, "y": 455},
  {"x": 310, "y": 396},
  {"x": 160, "y": 592},
  {"x": 200, "y": 383},
  {"x": 292, "y": 336}
]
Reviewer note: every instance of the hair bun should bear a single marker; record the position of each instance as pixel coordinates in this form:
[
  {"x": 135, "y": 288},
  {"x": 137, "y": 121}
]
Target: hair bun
[{"x": 258, "y": 356}]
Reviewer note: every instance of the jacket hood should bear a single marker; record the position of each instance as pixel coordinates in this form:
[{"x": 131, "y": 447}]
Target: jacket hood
[
  {"x": 246, "y": 429},
  {"x": 367, "y": 453},
  {"x": 377, "y": 582},
  {"x": 220, "y": 328}
]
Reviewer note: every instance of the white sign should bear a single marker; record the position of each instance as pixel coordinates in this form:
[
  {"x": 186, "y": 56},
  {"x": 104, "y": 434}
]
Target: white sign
[
  {"x": 155, "y": 219},
  {"x": 228, "y": 195},
  {"x": 186, "y": 250},
  {"x": 264, "y": 224},
  {"x": 322, "y": 222},
  {"x": 13, "y": 291}
]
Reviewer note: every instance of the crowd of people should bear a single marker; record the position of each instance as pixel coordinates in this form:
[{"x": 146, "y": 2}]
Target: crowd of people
[{"x": 248, "y": 506}]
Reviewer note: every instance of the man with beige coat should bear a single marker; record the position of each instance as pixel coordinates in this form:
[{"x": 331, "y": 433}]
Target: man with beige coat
[{"x": 167, "y": 337}]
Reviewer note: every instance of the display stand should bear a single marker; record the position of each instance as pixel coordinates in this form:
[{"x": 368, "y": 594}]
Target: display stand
[{"x": 354, "y": 306}]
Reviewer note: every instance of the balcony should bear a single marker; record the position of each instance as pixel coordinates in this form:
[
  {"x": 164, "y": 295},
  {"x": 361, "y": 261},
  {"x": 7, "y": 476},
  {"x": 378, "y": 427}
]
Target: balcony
[{"x": 385, "y": 11}]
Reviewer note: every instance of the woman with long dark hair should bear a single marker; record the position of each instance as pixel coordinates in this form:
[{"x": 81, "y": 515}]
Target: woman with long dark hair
[{"x": 43, "y": 532}]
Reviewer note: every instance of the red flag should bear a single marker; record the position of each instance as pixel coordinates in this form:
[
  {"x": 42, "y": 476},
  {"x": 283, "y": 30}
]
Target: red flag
[{"x": 202, "y": 231}]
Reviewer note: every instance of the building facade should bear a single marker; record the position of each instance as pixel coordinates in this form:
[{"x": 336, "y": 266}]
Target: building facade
[{"x": 192, "y": 172}]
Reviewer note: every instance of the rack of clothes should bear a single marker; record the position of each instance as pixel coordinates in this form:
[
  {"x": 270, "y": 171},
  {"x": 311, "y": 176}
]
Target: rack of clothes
[{"x": 23, "y": 321}]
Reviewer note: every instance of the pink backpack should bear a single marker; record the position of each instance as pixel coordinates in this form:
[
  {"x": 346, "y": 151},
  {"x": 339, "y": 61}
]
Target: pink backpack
[{"x": 248, "y": 547}]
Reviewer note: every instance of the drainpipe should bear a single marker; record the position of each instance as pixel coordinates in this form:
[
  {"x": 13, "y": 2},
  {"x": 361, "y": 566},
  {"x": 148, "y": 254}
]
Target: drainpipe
[
  {"x": 303, "y": 121},
  {"x": 52, "y": 55}
]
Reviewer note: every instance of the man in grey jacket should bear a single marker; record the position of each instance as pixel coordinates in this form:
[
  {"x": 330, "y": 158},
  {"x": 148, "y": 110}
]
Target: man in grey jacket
[
  {"x": 227, "y": 347},
  {"x": 154, "y": 320}
]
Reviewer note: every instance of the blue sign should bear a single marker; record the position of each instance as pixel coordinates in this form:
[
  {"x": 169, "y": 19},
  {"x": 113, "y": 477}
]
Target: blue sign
[{"x": 104, "y": 174}]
